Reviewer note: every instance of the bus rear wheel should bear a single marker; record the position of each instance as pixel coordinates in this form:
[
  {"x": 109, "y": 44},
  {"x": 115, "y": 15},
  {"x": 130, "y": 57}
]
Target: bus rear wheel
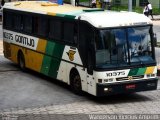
[
  {"x": 76, "y": 83},
  {"x": 21, "y": 61}
]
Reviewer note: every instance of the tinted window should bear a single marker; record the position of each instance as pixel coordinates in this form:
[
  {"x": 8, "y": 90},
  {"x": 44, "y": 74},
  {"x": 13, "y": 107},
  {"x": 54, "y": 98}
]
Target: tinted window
[
  {"x": 17, "y": 22},
  {"x": 8, "y": 19},
  {"x": 68, "y": 32},
  {"x": 42, "y": 26},
  {"x": 27, "y": 23},
  {"x": 55, "y": 29}
]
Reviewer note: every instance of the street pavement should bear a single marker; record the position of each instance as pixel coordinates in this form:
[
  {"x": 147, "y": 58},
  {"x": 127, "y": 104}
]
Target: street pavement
[{"x": 31, "y": 96}]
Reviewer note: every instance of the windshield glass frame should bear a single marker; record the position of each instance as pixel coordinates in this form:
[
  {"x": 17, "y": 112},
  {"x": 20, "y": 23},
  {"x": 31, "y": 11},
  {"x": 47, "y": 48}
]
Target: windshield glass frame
[{"x": 110, "y": 53}]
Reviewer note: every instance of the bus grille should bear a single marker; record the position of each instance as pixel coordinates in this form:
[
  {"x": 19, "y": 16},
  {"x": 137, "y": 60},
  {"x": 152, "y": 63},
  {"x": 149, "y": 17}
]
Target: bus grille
[{"x": 130, "y": 78}]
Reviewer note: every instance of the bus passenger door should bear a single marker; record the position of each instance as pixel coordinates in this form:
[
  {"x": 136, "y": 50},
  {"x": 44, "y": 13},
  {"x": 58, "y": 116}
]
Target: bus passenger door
[
  {"x": 91, "y": 83},
  {"x": 86, "y": 50}
]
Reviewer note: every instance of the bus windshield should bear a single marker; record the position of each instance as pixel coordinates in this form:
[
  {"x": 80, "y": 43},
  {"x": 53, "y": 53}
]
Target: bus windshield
[{"x": 123, "y": 47}]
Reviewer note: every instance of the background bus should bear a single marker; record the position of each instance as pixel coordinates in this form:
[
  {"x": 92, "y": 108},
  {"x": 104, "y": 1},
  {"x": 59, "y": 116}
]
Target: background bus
[{"x": 92, "y": 50}]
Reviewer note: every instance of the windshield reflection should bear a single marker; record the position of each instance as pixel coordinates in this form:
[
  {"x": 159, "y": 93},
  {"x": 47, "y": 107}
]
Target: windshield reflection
[{"x": 123, "y": 47}]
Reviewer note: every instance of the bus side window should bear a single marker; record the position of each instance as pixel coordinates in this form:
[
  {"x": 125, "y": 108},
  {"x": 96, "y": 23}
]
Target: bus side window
[
  {"x": 17, "y": 22},
  {"x": 68, "y": 34},
  {"x": 75, "y": 32},
  {"x": 55, "y": 29},
  {"x": 35, "y": 25},
  {"x": 27, "y": 24},
  {"x": 8, "y": 18},
  {"x": 42, "y": 26}
]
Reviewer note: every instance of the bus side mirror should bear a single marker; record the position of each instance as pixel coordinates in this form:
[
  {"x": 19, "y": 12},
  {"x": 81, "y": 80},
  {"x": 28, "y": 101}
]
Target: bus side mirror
[{"x": 154, "y": 40}]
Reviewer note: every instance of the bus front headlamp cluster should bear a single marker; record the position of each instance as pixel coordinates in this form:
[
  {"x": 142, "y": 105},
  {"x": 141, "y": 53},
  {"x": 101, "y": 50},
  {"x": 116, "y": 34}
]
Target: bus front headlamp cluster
[
  {"x": 108, "y": 80},
  {"x": 151, "y": 75},
  {"x": 105, "y": 80},
  {"x": 107, "y": 89}
]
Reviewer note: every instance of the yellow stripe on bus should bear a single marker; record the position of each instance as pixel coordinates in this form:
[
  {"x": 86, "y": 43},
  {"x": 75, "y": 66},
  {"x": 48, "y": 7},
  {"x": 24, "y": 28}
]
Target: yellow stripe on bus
[
  {"x": 14, "y": 52},
  {"x": 149, "y": 70},
  {"x": 51, "y": 13},
  {"x": 34, "y": 60},
  {"x": 41, "y": 47}
]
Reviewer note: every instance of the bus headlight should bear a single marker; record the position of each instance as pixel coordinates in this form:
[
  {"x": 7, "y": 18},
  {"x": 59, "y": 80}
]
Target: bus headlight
[
  {"x": 108, "y": 80},
  {"x": 111, "y": 80},
  {"x": 151, "y": 75},
  {"x": 105, "y": 80}
]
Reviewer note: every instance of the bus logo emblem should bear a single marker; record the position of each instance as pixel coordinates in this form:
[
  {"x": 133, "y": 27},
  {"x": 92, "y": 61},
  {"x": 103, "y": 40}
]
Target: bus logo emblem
[
  {"x": 130, "y": 77},
  {"x": 71, "y": 53}
]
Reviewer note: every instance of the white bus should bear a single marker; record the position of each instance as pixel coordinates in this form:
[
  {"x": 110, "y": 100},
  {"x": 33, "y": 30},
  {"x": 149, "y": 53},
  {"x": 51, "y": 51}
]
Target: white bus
[{"x": 92, "y": 50}]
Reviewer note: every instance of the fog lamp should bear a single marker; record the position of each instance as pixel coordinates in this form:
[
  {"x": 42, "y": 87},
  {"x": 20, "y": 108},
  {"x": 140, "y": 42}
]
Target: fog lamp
[{"x": 106, "y": 89}]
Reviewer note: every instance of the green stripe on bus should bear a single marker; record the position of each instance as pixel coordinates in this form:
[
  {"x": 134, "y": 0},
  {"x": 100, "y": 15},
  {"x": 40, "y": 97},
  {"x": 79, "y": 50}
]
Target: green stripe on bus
[
  {"x": 50, "y": 48},
  {"x": 54, "y": 66},
  {"x": 69, "y": 16},
  {"x": 50, "y": 64},
  {"x": 60, "y": 15},
  {"x": 58, "y": 50},
  {"x": 75, "y": 13},
  {"x": 133, "y": 72},
  {"x": 46, "y": 64},
  {"x": 66, "y": 16},
  {"x": 141, "y": 71},
  {"x": 137, "y": 71}
]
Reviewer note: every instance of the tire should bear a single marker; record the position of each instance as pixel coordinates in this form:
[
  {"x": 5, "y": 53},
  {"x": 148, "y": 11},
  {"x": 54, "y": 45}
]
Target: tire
[
  {"x": 21, "y": 61},
  {"x": 76, "y": 83}
]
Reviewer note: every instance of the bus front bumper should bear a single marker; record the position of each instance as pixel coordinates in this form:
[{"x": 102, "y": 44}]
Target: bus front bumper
[{"x": 126, "y": 87}]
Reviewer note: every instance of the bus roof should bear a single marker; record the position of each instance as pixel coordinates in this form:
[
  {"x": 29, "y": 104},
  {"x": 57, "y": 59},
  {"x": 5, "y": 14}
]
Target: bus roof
[{"x": 96, "y": 17}]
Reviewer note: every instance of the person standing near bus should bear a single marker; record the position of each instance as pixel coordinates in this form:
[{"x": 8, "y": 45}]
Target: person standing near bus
[
  {"x": 146, "y": 10},
  {"x": 149, "y": 5},
  {"x": 76, "y": 2},
  {"x": 93, "y": 3},
  {"x": 2, "y": 3},
  {"x": 106, "y": 3}
]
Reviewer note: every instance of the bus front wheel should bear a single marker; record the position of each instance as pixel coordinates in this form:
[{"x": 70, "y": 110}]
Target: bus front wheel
[
  {"x": 76, "y": 83},
  {"x": 21, "y": 61}
]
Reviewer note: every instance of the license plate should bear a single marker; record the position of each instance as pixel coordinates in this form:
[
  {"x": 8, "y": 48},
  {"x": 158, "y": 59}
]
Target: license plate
[{"x": 132, "y": 86}]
